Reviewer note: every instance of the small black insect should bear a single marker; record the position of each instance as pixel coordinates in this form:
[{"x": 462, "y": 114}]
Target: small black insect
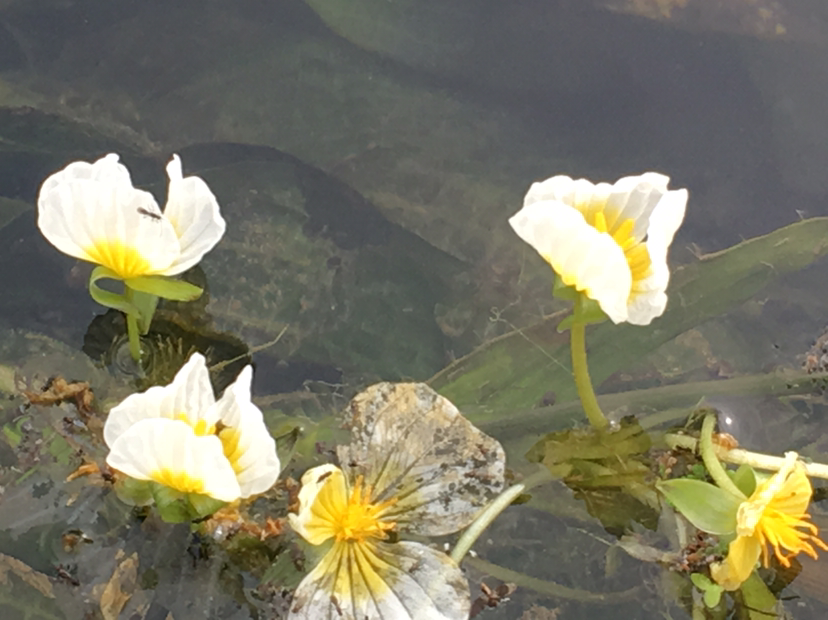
[{"x": 144, "y": 211}]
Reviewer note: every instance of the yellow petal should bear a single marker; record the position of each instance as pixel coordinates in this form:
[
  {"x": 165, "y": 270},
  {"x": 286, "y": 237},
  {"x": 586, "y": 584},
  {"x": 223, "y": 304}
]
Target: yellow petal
[{"x": 742, "y": 556}]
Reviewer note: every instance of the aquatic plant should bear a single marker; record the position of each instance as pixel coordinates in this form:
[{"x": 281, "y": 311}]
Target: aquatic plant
[
  {"x": 774, "y": 515},
  {"x": 608, "y": 247},
  {"x": 92, "y": 212},
  {"x": 191, "y": 447},
  {"x": 754, "y": 515},
  {"x": 414, "y": 466}
]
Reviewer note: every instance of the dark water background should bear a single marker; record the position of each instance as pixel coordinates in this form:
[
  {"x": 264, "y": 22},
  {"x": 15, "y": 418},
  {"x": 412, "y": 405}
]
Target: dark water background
[{"x": 367, "y": 156}]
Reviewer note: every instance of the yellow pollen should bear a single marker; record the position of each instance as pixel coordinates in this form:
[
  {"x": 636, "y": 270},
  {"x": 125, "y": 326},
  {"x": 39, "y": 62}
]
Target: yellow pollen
[
  {"x": 178, "y": 480},
  {"x": 124, "y": 260},
  {"x": 362, "y": 519}
]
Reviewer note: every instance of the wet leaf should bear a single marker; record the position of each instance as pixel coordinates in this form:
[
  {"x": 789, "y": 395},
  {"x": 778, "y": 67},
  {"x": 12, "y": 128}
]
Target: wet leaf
[
  {"x": 120, "y": 587},
  {"x": 411, "y": 443},
  {"x": 36, "y": 580},
  {"x": 705, "y": 505}
]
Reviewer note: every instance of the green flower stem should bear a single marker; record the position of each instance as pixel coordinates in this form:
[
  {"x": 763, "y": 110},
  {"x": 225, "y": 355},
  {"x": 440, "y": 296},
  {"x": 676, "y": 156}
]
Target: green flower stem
[
  {"x": 711, "y": 461},
  {"x": 132, "y": 329},
  {"x": 737, "y": 456},
  {"x": 491, "y": 512},
  {"x": 550, "y": 588},
  {"x": 577, "y": 340}
]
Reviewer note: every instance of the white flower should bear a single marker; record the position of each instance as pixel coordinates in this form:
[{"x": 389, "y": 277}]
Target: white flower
[
  {"x": 179, "y": 436},
  {"x": 92, "y": 212},
  {"x": 608, "y": 241},
  {"x": 414, "y": 466}
]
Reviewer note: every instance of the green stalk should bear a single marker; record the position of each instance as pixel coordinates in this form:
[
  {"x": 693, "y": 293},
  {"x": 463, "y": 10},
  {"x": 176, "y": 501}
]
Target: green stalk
[
  {"x": 132, "y": 329},
  {"x": 491, "y": 512},
  {"x": 586, "y": 393},
  {"x": 552, "y": 589},
  {"x": 711, "y": 461}
]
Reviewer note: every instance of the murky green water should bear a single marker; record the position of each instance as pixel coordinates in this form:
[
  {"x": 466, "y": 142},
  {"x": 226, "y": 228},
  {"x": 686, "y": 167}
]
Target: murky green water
[{"x": 366, "y": 155}]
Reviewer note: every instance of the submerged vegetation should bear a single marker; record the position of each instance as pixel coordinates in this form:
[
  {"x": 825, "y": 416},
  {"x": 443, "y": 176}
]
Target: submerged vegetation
[{"x": 330, "y": 381}]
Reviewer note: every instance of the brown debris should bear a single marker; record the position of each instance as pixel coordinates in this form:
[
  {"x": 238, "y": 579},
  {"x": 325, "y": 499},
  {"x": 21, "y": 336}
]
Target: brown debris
[{"x": 57, "y": 390}]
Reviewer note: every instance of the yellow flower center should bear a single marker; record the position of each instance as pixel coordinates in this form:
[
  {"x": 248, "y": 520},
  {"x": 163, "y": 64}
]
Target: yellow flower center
[
  {"x": 178, "y": 480},
  {"x": 124, "y": 260},
  {"x": 200, "y": 428},
  {"x": 638, "y": 258},
  {"x": 359, "y": 518}
]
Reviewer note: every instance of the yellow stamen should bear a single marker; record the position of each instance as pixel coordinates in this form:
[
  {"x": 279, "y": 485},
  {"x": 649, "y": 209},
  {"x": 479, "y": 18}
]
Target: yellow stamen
[
  {"x": 606, "y": 221},
  {"x": 361, "y": 518},
  {"x": 124, "y": 260}
]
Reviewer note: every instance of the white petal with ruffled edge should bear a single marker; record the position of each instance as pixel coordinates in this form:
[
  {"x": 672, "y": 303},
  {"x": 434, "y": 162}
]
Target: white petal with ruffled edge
[
  {"x": 92, "y": 212},
  {"x": 189, "y": 397},
  {"x": 170, "y": 453},
  {"x": 382, "y": 581},
  {"x": 655, "y": 213},
  {"x": 247, "y": 442},
  {"x": 315, "y": 521},
  {"x": 194, "y": 213},
  {"x": 589, "y": 260},
  {"x": 648, "y": 298}
]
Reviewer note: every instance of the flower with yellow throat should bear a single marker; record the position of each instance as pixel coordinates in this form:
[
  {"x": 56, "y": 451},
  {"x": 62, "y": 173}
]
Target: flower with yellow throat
[
  {"x": 414, "y": 466},
  {"x": 180, "y": 437},
  {"x": 608, "y": 242},
  {"x": 774, "y": 515},
  {"x": 92, "y": 212}
]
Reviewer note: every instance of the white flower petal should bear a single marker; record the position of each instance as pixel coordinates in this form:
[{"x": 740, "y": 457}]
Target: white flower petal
[
  {"x": 92, "y": 212},
  {"x": 170, "y": 453},
  {"x": 314, "y": 521},
  {"x": 194, "y": 213},
  {"x": 562, "y": 188},
  {"x": 247, "y": 442},
  {"x": 635, "y": 198},
  {"x": 132, "y": 409},
  {"x": 382, "y": 581},
  {"x": 649, "y": 299},
  {"x": 414, "y": 447},
  {"x": 589, "y": 260},
  {"x": 189, "y": 397}
]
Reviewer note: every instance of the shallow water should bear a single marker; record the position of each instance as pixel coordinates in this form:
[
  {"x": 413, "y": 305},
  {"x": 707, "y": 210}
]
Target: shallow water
[{"x": 366, "y": 159}]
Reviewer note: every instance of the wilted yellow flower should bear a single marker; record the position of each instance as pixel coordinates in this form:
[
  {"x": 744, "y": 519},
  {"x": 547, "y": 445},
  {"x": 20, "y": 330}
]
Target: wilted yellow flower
[
  {"x": 92, "y": 212},
  {"x": 414, "y": 466},
  {"x": 607, "y": 241},
  {"x": 773, "y": 516},
  {"x": 180, "y": 436}
]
